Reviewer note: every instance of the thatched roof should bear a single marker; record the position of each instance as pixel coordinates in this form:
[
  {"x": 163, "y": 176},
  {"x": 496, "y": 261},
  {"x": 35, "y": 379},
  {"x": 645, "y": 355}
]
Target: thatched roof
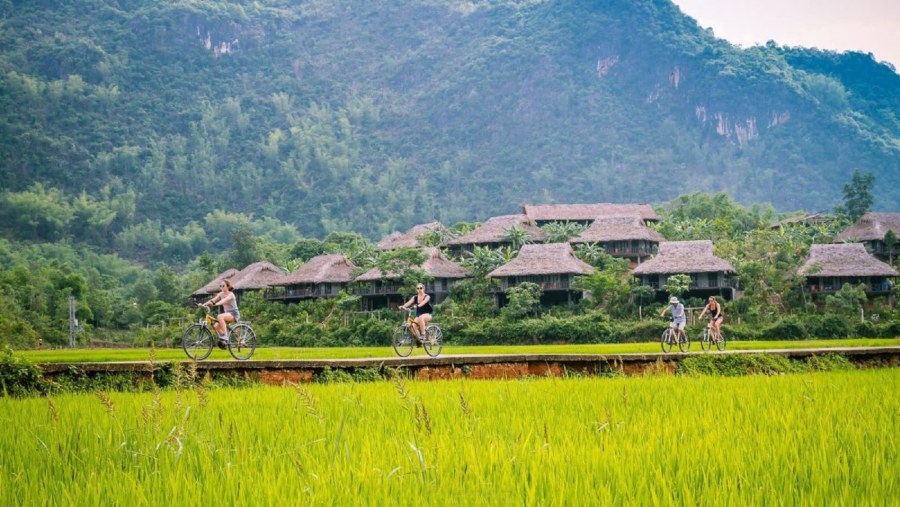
[
  {"x": 617, "y": 228},
  {"x": 258, "y": 275},
  {"x": 435, "y": 265},
  {"x": 331, "y": 268},
  {"x": 582, "y": 212},
  {"x": 683, "y": 257},
  {"x": 804, "y": 218},
  {"x": 213, "y": 286},
  {"x": 844, "y": 259},
  {"x": 494, "y": 231},
  {"x": 543, "y": 259},
  {"x": 408, "y": 239},
  {"x": 872, "y": 226}
]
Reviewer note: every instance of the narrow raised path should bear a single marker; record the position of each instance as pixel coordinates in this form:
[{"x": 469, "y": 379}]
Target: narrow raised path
[{"x": 471, "y": 365}]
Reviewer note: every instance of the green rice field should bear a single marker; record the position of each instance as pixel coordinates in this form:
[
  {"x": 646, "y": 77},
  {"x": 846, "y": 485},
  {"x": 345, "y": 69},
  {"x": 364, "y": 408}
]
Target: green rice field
[
  {"x": 805, "y": 439},
  {"x": 176, "y": 354}
]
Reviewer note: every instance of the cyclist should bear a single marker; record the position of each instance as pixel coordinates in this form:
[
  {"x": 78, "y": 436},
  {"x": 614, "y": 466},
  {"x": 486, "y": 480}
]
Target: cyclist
[
  {"x": 230, "y": 313},
  {"x": 678, "y": 316},
  {"x": 715, "y": 313},
  {"x": 422, "y": 302}
]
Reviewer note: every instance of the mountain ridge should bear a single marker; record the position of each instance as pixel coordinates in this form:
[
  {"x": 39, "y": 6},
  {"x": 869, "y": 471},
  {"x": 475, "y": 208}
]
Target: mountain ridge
[{"x": 374, "y": 116}]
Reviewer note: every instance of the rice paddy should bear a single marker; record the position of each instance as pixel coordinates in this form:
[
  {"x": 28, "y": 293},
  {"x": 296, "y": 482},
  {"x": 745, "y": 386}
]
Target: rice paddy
[{"x": 812, "y": 439}]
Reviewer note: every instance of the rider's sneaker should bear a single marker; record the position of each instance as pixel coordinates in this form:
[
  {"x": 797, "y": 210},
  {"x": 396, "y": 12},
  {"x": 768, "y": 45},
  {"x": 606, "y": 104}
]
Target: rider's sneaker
[{"x": 223, "y": 343}]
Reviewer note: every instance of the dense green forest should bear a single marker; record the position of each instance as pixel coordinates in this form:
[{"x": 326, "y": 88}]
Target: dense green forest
[
  {"x": 373, "y": 116},
  {"x": 146, "y": 146}
]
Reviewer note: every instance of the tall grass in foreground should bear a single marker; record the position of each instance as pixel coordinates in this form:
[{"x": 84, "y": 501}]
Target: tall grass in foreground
[{"x": 812, "y": 439}]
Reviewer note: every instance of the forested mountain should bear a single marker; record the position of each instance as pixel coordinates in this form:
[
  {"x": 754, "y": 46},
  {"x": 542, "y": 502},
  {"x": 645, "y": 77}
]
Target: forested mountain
[{"x": 137, "y": 116}]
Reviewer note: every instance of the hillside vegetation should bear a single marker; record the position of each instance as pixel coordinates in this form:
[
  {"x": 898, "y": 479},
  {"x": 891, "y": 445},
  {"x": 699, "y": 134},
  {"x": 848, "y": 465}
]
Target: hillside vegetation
[{"x": 372, "y": 116}]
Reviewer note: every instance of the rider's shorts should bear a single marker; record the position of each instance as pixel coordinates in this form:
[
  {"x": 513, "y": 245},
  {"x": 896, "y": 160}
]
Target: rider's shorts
[{"x": 679, "y": 325}]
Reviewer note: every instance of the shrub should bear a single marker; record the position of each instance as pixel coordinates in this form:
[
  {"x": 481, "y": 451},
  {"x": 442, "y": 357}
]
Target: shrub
[
  {"x": 19, "y": 377},
  {"x": 788, "y": 328},
  {"x": 640, "y": 331},
  {"x": 742, "y": 332},
  {"x": 589, "y": 328},
  {"x": 865, "y": 329},
  {"x": 830, "y": 326},
  {"x": 889, "y": 329},
  {"x": 329, "y": 376},
  {"x": 524, "y": 300}
]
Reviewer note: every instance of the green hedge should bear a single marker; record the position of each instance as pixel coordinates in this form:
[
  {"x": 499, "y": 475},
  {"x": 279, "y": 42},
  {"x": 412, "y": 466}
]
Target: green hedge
[{"x": 591, "y": 328}]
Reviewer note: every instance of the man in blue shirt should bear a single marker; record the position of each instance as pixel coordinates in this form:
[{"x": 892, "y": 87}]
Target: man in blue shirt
[{"x": 679, "y": 319}]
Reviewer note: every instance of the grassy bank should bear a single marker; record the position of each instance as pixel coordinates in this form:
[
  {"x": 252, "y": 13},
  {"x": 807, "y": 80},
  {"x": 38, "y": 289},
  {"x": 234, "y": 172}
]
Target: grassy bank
[{"x": 93, "y": 355}]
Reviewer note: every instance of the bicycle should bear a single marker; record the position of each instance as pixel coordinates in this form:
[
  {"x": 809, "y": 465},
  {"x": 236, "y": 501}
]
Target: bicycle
[
  {"x": 197, "y": 340},
  {"x": 671, "y": 336},
  {"x": 405, "y": 334},
  {"x": 709, "y": 337}
]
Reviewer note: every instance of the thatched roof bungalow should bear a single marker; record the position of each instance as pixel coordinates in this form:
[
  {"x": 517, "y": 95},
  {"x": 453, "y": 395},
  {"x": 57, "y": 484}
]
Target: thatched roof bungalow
[
  {"x": 870, "y": 230},
  {"x": 829, "y": 267},
  {"x": 803, "y": 219},
  {"x": 541, "y": 214},
  {"x": 622, "y": 236},
  {"x": 256, "y": 276},
  {"x": 379, "y": 290},
  {"x": 321, "y": 276},
  {"x": 211, "y": 288},
  {"x": 493, "y": 233},
  {"x": 710, "y": 275},
  {"x": 553, "y": 266},
  {"x": 410, "y": 238}
]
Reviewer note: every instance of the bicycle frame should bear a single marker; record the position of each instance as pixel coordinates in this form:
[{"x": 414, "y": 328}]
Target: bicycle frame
[
  {"x": 714, "y": 333},
  {"x": 411, "y": 322}
]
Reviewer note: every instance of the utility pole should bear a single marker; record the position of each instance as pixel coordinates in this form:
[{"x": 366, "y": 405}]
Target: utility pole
[{"x": 73, "y": 322}]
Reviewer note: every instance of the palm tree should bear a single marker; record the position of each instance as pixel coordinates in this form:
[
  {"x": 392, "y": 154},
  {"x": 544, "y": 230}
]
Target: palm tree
[
  {"x": 482, "y": 261},
  {"x": 517, "y": 236},
  {"x": 560, "y": 232},
  {"x": 592, "y": 253}
]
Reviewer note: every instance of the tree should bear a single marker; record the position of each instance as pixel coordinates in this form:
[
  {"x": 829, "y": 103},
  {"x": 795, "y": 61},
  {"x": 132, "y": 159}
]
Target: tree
[
  {"x": 245, "y": 250},
  {"x": 848, "y": 300},
  {"x": 560, "y": 232},
  {"x": 167, "y": 287},
  {"x": 307, "y": 248},
  {"x": 405, "y": 262},
  {"x": 517, "y": 236},
  {"x": 678, "y": 285},
  {"x": 857, "y": 196},
  {"x": 523, "y": 300},
  {"x": 642, "y": 294},
  {"x": 890, "y": 241},
  {"x": 482, "y": 261}
]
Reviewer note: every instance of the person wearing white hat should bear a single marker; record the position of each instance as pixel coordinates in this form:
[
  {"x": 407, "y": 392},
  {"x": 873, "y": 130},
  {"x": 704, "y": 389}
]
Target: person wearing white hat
[{"x": 679, "y": 319}]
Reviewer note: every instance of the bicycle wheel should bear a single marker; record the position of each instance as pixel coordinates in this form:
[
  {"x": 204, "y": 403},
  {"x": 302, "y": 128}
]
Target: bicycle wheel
[
  {"x": 197, "y": 342},
  {"x": 434, "y": 340},
  {"x": 242, "y": 342},
  {"x": 685, "y": 344},
  {"x": 704, "y": 340},
  {"x": 402, "y": 341},
  {"x": 721, "y": 343},
  {"x": 666, "y": 340}
]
